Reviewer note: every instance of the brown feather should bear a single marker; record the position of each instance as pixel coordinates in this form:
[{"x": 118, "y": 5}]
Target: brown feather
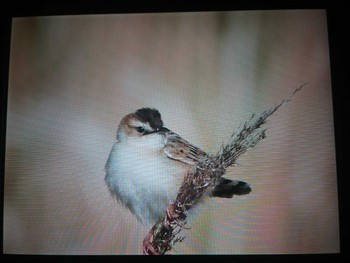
[{"x": 181, "y": 150}]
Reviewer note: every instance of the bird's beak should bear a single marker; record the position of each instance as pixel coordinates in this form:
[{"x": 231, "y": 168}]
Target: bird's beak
[{"x": 162, "y": 130}]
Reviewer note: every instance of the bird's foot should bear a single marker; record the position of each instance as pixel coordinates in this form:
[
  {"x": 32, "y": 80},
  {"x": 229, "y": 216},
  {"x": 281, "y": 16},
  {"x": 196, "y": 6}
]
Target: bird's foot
[{"x": 148, "y": 248}]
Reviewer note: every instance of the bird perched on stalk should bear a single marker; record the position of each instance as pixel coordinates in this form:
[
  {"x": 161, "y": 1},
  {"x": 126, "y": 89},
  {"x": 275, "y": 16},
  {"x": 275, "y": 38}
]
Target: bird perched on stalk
[{"x": 148, "y": 162}]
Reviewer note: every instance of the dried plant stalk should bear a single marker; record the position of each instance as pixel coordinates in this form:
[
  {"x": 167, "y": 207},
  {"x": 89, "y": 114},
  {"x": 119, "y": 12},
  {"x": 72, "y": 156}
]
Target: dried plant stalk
[{"x": 209, "y": 169}]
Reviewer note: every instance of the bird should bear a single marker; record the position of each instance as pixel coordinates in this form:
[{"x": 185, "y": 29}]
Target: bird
[{"x": 148, "y": 162}]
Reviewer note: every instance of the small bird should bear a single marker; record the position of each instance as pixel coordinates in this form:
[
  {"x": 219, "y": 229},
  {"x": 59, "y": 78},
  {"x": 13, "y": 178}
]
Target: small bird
[{"x": 148, "y": 162}]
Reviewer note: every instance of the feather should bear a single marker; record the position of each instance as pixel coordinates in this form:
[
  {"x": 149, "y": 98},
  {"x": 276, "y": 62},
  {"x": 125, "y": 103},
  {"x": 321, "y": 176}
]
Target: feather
[{"x": 181, "y": 150}]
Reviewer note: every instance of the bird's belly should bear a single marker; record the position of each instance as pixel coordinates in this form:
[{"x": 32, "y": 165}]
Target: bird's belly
[{"x": 145, "y": 183}]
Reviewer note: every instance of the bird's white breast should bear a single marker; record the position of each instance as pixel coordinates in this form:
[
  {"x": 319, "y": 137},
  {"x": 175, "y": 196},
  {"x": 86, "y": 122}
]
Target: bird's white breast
[{"x": 140, "y": 175}]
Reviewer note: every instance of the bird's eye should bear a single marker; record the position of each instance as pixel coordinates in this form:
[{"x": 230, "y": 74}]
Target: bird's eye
[{"x": 140, "y": 129}]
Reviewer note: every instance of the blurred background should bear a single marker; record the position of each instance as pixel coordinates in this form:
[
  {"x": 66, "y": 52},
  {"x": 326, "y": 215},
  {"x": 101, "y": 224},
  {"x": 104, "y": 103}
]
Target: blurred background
[{"x": 72, "y": 79}]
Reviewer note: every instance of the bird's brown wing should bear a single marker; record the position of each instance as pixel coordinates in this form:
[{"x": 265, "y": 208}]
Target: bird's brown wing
[{"x": 181, "y": 150}]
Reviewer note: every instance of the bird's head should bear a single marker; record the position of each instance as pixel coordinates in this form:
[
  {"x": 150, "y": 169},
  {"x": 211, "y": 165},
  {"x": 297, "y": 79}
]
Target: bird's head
[{"x": 141, "y": 123}]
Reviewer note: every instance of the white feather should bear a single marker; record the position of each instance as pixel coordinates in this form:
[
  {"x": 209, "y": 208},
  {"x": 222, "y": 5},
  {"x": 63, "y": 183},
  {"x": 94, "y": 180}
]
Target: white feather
[{"x": 139, "y": 175}]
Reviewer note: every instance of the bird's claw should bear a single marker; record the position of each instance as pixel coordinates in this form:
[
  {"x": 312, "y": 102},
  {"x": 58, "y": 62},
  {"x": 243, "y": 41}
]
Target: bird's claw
[{"x": 147, "y": 246}]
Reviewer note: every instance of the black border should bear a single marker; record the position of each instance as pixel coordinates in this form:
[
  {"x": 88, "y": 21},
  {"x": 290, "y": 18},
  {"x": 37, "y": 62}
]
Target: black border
[
  {"x": 339, "y": 58},
  {"x": 337, "y": 14},
  {"x": 73, "y": 7}
]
